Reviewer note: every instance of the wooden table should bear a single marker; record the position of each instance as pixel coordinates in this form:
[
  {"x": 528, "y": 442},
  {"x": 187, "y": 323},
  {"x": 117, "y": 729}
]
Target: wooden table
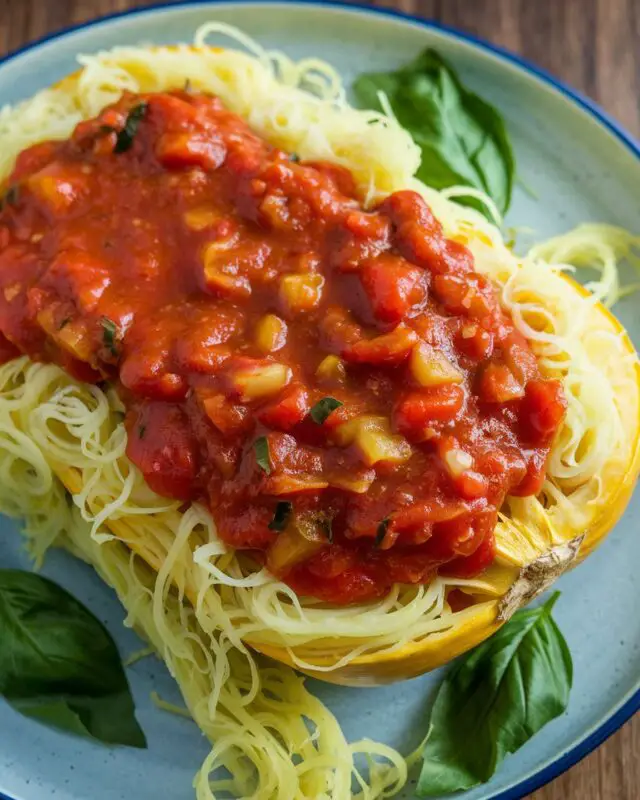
[{"x": 591, "y": 44}]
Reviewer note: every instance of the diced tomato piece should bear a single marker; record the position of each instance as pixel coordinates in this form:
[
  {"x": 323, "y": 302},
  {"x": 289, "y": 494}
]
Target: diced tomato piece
[
  {"x": 543, "y": 408},
  {"x": 393, "y": 287},
  {"x": 338, "y": 416},
  {"x": 460, "y": 534},
  {"x": 429, "y": 512},
  {"x": 519, "y": 357},
  {"x": 471, "y": 485},
  {"x": 418, "y": 234},
  {"x": 389, "y": 348},
  {"x": 458, "y": 258},
  {"x": 474, "y": 341},
  {"x": 531, "y": 484},
  {"x": 192, "y": 355},
  {"x": 174, "y": 111},
  {"x": 368, "y": 226},
  {"x": 466, "y": 534},
  {"x": 287, "y": 411},
  {"x": 463, "y": 295},
  {"x": 407, "y": 205},
  {"x": 161, "y": 444},
  {"x": 418, "y": 410},
  {"x": 230, "y": 419},
  {"x": 340, "y": 177},
  {"x": 246, "y": 527},
  {"x": 78, "y": 276},
  {"x": 470, "y": 566},
  {"x": 146, "y": 374},
  {"x": 499, "y": 385},
  {"x": 338, "y": 329}
]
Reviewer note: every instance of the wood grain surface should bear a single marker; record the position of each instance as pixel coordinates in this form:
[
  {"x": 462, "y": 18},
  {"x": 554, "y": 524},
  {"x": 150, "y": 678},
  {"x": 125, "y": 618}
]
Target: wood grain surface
[{"x": 594, "y": 45}]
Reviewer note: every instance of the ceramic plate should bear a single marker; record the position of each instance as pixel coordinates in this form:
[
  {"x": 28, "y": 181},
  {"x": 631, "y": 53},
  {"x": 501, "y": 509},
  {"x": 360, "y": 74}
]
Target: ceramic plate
[{"x": 581, "y": 167}]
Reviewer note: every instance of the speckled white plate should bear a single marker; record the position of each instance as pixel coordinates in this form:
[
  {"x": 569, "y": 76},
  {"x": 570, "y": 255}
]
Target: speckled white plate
[{"x": 582, "y": 167}]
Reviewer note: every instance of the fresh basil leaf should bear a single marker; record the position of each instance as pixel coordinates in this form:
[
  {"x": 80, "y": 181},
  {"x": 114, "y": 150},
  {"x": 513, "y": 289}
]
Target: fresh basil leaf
[
  {"x": 326, "y": 526},
  {"x": 59, "y": 665},
  {"x": 463, "y": 139},
  {"x": 381, "y": 531},
  {"x": 10, "y": 197},
  {"x": 261, "y": 448},
  {"x": 494, "y": 700},
  {"x": 281, "y": 516},
  {"x": 125, "y": 137},
  {"x": 110, "y": 335},
  {"x": 321, "y": 410}
]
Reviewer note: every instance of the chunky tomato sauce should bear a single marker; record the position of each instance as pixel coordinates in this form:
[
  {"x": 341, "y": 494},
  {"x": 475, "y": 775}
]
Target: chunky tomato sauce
[{"x": 340, "y": 386}]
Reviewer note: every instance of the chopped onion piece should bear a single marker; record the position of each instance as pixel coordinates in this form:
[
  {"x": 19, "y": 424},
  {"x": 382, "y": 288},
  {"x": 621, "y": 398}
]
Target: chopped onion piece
[
  {"x": 356, "y": 482},
  {"x": 373, "y": 437},
  {"x": 260, "y": 380},
  {"x": 331, "y": 370},
  {"x": 429, "y": 367},
  {"x": 289, "y": 549},
  {"x": 201, "y": 217},
  {"x": 271, "y": 333},
  {"x": 457, "y": 462},
  {"x": 300, "y": 293}
]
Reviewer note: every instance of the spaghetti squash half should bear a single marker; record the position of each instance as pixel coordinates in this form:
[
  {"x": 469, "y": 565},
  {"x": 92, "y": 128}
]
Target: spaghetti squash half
[{"x": 549, "y": 387}]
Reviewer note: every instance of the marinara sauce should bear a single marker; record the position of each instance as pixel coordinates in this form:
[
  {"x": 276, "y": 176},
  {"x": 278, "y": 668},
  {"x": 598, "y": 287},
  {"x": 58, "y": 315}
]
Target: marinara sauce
[{"x": 338, "y": 385}]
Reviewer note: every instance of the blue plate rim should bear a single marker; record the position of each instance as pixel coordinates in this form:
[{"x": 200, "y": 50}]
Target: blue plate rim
[{"x": 631, "y": 705}]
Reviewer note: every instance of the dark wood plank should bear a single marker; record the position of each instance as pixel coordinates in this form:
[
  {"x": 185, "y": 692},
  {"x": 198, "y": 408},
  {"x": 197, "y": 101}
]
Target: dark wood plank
[{"x": 591, "y": 44}]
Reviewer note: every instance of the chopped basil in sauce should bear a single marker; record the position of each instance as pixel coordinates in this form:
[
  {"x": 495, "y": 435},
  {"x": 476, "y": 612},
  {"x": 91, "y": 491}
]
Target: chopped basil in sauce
[
  {"x": 281, "y": 516},
  {"x": 321, "y": 410},
  {"x": 126, "y": 136},
  {"x": 10, "y": 198},
  {"x": 326, "y": 525},
  {"x": 109, "y": 335},
  {"x": 382, "y": 531},
  {"x": 261, "y": 447}
]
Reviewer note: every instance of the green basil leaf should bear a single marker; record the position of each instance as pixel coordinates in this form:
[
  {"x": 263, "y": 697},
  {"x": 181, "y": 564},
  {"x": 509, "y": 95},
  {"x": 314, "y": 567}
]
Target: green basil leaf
[
  {"x": 463, "y": 139},
  {"x": 381, "y": 532},
  {"x": 59, "y": 665},
  {"x": 261, "y": 448},
  {"x": 11, "y": 197},
  {"x": 494, "y": 700},
  {"x": 326, "y": 526},
  {"x": 110, "y": 335},
  {"x": 125, "y": 137},
  {"x": 321, "y": 410},
  {"x": 281, "y": 516}
]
